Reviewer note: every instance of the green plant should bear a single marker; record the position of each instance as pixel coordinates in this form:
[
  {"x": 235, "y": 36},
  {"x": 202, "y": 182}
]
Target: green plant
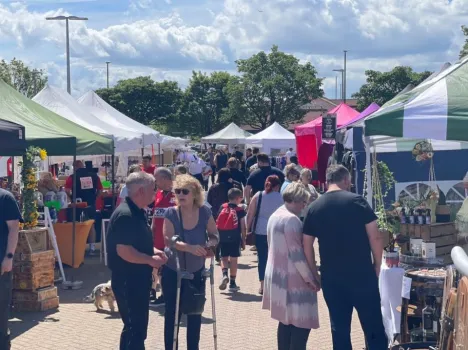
[{"x": 28, "y": 177}]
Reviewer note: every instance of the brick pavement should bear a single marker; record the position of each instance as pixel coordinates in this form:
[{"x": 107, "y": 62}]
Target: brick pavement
[{"x": 241, "y": 322}]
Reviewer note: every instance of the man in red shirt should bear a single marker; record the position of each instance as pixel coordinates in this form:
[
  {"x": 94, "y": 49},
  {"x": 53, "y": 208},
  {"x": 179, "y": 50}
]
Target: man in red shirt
[
  {"x": 165, "y": 198},
  {"x": 147, "y": 167},
  {"x": 88, "y": 188}
]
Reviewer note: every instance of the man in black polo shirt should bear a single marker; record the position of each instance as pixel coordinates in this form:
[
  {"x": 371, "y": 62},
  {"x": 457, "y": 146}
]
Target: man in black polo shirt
[
  {"x": 252, "y": 160},
  {"x": 10, "y": 218},
  {"x": 347, "y": 233},
  {"x": 256, "y": 181},
  {"x": 132, "y": 259}
]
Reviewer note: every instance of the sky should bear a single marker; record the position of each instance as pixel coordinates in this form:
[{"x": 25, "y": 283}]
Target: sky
[{"x": 168, "y": 39}]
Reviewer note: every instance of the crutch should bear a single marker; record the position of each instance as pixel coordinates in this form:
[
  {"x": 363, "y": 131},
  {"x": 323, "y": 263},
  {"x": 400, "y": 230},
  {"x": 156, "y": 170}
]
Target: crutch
[
  {"x": 180, "y": 275},
  {"x": 210, "y": 272}
]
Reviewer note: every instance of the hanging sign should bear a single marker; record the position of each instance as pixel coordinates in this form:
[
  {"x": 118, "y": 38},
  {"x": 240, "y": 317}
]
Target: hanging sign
[{"x": 329, "y": 127}]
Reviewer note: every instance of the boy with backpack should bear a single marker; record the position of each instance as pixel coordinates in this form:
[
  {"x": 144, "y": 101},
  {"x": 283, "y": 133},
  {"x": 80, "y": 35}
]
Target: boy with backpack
[{"x": 232, "y": 232}]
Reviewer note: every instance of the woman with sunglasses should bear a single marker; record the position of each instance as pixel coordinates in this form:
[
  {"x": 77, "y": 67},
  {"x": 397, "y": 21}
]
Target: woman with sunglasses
[{"x": 191, "y": 220}]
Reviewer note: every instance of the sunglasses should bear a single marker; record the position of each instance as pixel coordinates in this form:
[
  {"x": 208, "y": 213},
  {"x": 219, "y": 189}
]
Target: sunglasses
[{"x": 184, "y": 191}]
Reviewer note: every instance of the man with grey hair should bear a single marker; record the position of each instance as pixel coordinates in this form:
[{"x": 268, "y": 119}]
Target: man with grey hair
[
  {"x": 347, "y": 232},
  {"x": 132, "y": 258}
]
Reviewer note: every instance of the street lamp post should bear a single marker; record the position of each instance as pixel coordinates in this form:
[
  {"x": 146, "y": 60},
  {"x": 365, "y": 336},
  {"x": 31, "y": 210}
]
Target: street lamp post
[
  {"x": 342, "y": 81},
  {"x": 66, "y": 19},
  {"x": 107, "y": 66},
  {"x": 344, "y": 77}
]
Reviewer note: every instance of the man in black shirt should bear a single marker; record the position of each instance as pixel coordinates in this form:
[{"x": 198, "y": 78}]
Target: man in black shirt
[
  {"x": 256, "y": 180},
  {"x": 347, "y": 233},
  {"x": 132, "y": 259},
  {"x": 237, "y": 175},
  {"x": 10, "y": 218},
  {"x": 252, "y": 160}
]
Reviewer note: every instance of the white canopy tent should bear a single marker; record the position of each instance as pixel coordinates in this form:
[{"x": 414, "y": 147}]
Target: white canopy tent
[
  {"x": 66, "y": 106},
  {"x": 230, "y": 135},
  {"x": 108, "y": 114},
  {"x": 273, "y": 137}
]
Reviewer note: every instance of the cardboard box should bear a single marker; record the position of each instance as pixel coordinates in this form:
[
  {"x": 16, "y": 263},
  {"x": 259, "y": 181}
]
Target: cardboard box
[{"x": 428, "y": 250}]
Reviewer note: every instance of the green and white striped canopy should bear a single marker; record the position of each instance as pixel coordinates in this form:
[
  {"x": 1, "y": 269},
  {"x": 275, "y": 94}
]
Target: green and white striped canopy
[{"x": 435, "y": 109}]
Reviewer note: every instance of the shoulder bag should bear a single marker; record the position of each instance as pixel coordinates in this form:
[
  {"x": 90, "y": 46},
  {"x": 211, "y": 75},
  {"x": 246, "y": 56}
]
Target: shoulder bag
[
  {"x": 250, "y": 239},
  {"x": 193, "y": 296}
]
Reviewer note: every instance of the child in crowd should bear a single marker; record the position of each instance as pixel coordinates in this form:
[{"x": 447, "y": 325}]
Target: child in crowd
[{"x": 232, "y": 232}]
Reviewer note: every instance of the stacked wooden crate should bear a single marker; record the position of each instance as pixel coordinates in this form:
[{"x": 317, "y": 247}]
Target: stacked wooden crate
[
  {"x": 444, "y": 235},
  {"x": 33, "y": 273}
]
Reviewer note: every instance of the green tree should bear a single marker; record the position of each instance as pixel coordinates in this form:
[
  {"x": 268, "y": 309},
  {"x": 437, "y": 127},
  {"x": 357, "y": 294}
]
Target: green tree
[
  {"x": 205, "y": 103},
  {"x": 145, "y": 100},
  {"x": 271, "y": 88},
  {"x": 381, "y": 87},
  {"x": 24, "y": 79},
  {"x": 464, "y": 50}
]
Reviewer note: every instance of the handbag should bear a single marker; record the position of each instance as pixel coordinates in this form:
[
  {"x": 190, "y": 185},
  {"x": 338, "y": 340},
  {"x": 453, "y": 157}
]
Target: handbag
[
  {"x": 250, "y": 239},
  {"x": 192, "y": 297}
]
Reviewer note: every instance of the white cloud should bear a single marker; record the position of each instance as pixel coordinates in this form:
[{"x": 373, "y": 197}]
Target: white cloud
[{"x": 378, "y": 34}]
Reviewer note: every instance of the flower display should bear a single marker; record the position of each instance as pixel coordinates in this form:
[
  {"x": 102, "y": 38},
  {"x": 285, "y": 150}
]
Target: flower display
[{"x": 29, "y": 179}]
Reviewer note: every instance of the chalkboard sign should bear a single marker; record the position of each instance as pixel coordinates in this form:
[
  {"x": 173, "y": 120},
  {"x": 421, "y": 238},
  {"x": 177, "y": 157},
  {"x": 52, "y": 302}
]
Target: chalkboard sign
[{"x": 329, "y": 127}]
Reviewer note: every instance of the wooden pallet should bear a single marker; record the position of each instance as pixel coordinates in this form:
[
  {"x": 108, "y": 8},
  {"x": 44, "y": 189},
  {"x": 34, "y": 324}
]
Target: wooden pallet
[
  {"x": 42, "y": 305},
  {"x": 34, "y": 273},
  {"x": 36, "y": 296}
]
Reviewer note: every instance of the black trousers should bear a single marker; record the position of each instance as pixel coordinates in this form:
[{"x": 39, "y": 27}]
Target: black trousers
[
  {"x": 132, "y": 293},
  {"x": 213, "y": 174},
  {"x": 199, "y": 177},
  {"x": 292, "y": 338},
  {"x": 5, "y": 301},
  {"x": 169, "y": 285},
  {"x": 363, "y": 295}
]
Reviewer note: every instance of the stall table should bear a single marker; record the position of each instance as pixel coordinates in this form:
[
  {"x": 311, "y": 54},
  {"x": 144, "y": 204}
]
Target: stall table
[{"x": 64, "y": 232}]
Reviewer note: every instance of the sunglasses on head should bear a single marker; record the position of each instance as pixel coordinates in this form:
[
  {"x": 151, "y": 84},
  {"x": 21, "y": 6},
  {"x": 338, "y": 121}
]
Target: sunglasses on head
[{"x": 184, "y": 191}]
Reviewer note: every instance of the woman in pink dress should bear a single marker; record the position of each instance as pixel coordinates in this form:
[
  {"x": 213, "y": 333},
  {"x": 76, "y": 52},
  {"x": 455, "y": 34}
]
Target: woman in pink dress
[{"x": 290, "y": 287}]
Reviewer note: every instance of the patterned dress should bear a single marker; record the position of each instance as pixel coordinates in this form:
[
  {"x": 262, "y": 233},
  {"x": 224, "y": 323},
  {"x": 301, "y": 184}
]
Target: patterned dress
[{"x": 286, "y": 293}]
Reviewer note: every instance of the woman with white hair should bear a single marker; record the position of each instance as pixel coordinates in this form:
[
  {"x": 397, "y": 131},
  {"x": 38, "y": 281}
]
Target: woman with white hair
[
  {"x": 291, "y": 174},
  {"x": 291, "y": 285},
  {"x": 306, "y": 179}
]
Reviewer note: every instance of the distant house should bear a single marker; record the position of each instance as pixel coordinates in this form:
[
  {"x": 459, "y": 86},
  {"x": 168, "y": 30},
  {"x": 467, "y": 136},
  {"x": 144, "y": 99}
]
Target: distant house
[{"x": 313, "y": 110}]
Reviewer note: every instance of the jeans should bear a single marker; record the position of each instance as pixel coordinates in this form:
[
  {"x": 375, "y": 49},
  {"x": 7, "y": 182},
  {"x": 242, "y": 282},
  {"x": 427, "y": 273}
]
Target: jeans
[
  {"x": 261, "y": 242},
  {"x": 363, "y": 294},
  {"x": 132, "y": 293},
  {"x": 292, "y": 338},
  {"x": 5, "y": 301},
  {"x": 169, "y": 285}
]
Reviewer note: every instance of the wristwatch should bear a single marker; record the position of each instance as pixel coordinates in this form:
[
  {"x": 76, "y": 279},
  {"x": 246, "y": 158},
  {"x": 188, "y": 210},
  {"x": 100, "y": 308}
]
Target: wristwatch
[{"x": 9, "y": 255}]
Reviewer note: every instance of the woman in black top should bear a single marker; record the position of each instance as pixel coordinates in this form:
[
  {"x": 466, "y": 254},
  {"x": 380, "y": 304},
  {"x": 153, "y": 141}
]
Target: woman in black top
[{"x": 220, "y": 160}]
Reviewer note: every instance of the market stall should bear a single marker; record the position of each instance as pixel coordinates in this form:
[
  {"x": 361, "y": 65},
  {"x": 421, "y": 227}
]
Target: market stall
[
  {"x": 309, "y": 135},
  {"x": 230, "y": 135},
  {"x": 12, "y": 139},
  {"x": 273, "y": 140},
  {"x": 423, "y": 232}
]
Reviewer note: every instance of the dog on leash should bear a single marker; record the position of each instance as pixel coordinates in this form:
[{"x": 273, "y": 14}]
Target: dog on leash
[{"x": 102, "y": 292}]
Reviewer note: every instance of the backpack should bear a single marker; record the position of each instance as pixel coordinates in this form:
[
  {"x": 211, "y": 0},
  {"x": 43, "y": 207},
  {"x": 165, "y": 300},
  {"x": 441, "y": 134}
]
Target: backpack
[{"x": 228, "y": 224}]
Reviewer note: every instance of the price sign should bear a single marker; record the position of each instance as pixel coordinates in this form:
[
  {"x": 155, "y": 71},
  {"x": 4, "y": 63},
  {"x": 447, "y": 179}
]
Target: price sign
[
  {"x": 329, "y": 127},
  {"x": 86, "y": 183}
]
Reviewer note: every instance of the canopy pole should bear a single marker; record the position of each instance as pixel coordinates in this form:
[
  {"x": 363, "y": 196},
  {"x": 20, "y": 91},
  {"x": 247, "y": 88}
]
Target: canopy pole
[
  {"x": 368, "y": 172},
  {"x": 159, "y": 152},
  {"x": 12, "y": 180},
  {"x": 113, "y": 181}
]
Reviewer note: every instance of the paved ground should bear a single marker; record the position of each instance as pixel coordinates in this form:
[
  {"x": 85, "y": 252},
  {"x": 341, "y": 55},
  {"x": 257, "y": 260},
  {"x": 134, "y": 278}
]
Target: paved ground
[{"x": 241, "y": 322}]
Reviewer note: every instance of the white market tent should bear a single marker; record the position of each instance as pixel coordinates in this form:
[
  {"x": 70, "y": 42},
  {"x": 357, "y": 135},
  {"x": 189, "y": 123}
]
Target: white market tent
[
  {"x": 273, "y": 137},
  {"x": 108, "y": 114},
  {"x": 230, "y": 135},
  {"x": 67, "y": 107}
]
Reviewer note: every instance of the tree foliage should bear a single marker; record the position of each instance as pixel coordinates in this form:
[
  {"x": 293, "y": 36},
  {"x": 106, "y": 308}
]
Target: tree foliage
[
  {"x": 24, "y": 79},
  {"x": 145, "y": 100},
  {"x": 464, "y": 50},
  {"x": 205, "y": 103},
  {"x": 381, "y": 87},
  {"x": 271, "y": 88}
]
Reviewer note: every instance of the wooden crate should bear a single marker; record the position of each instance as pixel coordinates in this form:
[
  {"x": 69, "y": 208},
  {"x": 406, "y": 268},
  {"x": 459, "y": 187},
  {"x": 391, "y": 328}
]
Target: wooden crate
[
  {"x": 43, "y": 305},
  {"x": 34, "y": 273},
  {"x": 32, "y": 241},
  {"x": 38, "y": 295}
]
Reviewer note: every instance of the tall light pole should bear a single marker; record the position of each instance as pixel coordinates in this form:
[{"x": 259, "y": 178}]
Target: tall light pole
[
  {"x": 342, "y": 81},
  {"x": 344, "y": 77},
  {"x": 336, "y": 87},
  {"x": 107, "y": 66},
  {"x": 66, "y": 19}
]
